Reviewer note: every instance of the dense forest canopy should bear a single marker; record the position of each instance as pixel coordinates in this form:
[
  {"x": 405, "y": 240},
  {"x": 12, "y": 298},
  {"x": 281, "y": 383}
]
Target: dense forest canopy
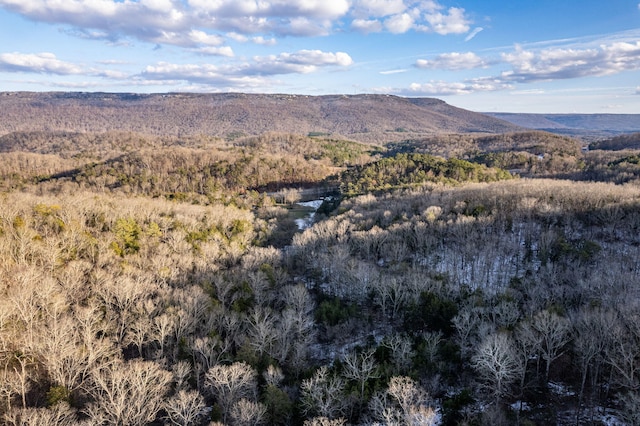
[{"x": 446, "y": 279}]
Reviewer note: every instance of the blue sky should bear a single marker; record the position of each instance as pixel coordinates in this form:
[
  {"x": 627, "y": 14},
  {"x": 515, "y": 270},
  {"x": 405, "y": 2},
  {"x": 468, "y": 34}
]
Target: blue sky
[{"x": 559, "y": 56}]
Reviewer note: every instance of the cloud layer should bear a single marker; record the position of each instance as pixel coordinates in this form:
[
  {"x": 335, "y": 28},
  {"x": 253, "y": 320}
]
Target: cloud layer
[
  {"x": 45, "y": 63},
  {"x": 196, "y": 23},
  {"x": 253, "y": 74},
  {"x": 530, "y": 66},
  {"x": 214, "y": 42},
  {"x": 557, "y": 64}
]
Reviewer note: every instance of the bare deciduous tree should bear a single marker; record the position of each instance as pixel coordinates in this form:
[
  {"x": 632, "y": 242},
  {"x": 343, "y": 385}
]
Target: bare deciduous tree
[
  {"x": 360, "y": 368},
  {"x": 248, "y": 413},
  {"x": 230, "y": 383},
  {"x": 185, "y": 408},
  {"x": 403, "y": 403},
  {"x": 262, "y": 333},
  {"x": 129, "y": 393},
  {"x": 322, "y": 394},
  {"x": 59, "y": 415},
  {"x": 323, "y": 421},
  {"x": 401, "y": 351},
  {"x": 553, "y": 331},
  {"x": 591, "y": 332},
  {"x": 497, "y": 363}
]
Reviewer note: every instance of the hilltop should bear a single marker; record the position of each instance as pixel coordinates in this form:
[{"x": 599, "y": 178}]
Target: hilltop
[{"x": 366, "y": 118}]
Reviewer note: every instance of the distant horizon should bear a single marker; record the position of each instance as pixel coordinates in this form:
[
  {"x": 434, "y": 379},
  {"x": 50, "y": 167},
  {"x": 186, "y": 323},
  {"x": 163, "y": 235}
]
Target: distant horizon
[
  {"x": 529, "y": 57},
  {"x": 308, "y": 95}
]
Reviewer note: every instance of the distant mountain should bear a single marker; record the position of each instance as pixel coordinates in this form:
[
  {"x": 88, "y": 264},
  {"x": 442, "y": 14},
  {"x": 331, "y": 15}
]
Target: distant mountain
[
  {"x": 368, "y": 118},
  {"x": 575, "y": 124}
]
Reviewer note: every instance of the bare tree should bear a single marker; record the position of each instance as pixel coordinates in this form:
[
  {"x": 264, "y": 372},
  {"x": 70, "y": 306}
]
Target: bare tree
[
  {"x": 390, "y": 295},
  {"x": 261, "y": 333},
  {"x": 59, "y": 415},
  {"x": 129, "y": 393},
  {"x": 273, "y": 375},
  {"x": 497, "y": 363},
  {"x": 466, "y": 323},
  {"x": 248, "y": 413},
  {"x": 360, "y": 368},
  {"x": 322, "y": 394},
  {"x": 323, "y": 421},
  {"x": 591, "y": 333},
  {"x": 403, "y": 403},
  {"x": 121, "y": 297},
  {"x": 10, "y": 384},
  {"x": 163, "y": 328},
  {"x": 553, "y": 331},
  {"x": 622, "y": 353},
  {"x": 432, "y": 342},
  {"x": 401, "y": 351},
  {"x": 21, "y": 365},
  {"x": 230, "y": 383},
  {"x": 186, "y": 408},
  {"x": 631, "y": 404},
  {"x": 295, "y": 327},
  {"x": 181, "y": 371}
]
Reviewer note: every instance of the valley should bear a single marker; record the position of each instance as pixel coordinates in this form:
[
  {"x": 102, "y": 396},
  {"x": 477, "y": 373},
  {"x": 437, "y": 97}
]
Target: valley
[{"x": 159, "y": 263}]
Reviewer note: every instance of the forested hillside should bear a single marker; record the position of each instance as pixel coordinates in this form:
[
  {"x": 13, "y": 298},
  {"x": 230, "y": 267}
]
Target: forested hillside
[
  {"x": 445, "y": 279},
  {"x": 365, "y": 118}
]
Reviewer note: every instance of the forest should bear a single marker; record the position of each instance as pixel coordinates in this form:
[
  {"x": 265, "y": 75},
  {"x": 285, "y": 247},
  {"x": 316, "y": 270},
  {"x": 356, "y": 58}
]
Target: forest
[{"x": 454, "y": 279}]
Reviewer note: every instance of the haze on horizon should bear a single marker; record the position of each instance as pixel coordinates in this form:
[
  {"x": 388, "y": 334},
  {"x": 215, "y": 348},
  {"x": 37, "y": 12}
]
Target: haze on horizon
[{"x": 545, "y": 56}]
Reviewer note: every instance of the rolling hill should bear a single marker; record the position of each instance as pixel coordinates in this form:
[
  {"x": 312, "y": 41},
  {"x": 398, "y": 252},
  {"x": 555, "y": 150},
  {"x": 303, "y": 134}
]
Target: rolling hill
[
  {"x": 367, "y": 118},
  {"x": 582, "y": 125}
]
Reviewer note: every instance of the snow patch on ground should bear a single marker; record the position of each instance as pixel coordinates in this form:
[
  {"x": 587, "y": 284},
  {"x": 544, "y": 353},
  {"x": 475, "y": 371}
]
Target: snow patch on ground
[
  {"x": 611, "y": 420},
  {"x": 307, "y": 221},
  {"x": 520, "y": 405},
  {"x": 560, "y": 389},
  {"x": 314, "y": 204}
]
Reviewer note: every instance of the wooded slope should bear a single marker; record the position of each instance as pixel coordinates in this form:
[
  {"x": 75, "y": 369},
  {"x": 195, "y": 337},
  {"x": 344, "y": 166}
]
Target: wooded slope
[{"x": 370, "y": 118}]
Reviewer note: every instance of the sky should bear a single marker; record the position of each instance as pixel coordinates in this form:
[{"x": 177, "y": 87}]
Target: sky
[{"x": 537, "y": 56}]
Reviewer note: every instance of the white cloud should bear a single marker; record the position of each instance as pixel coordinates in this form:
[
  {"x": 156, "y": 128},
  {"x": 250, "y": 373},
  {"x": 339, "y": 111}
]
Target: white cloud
[
  {"x": 559, "y": 63},
  {"x": 272, "y": 8},
  {"x": 473, "y": 33},
  {"x": 455, "y": 22},
  {"x": 398, "y": 24},
  {"x": 304, "y": 27},
  {"x": 378, "y": 8},
  {"x": 216, "y": 51},
  {"x": 638, "y": 90},
  {"x": 198, "y": 74},
  {"x": 241, "y": 38},
  {"x": 193, "y": 23},
  {"x": 158, "y": 5},
  {"x": 366, "y": 25},
  {"x": 146, "y": 20},
  {"x": 431, "y": 6},
  {"x": 113, "y": 75},
  {"x": 264, "y": 41},
  {"x": 302, "y": 62},
  {"x": 453, "y": 61},
  {"x": 443, "y": 88},
  {"x": 46, "y": 63},
  {"x": 389, "y": 72},
  {"x": 200, "y": 37},
  {"x": 247, "y": 74}
]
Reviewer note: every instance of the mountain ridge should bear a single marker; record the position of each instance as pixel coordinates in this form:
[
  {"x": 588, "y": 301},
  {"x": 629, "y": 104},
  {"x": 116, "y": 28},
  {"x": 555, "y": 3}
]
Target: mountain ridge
[
  {"x": 364, "y": 117},
  {"x": 597, "y": 124}
]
